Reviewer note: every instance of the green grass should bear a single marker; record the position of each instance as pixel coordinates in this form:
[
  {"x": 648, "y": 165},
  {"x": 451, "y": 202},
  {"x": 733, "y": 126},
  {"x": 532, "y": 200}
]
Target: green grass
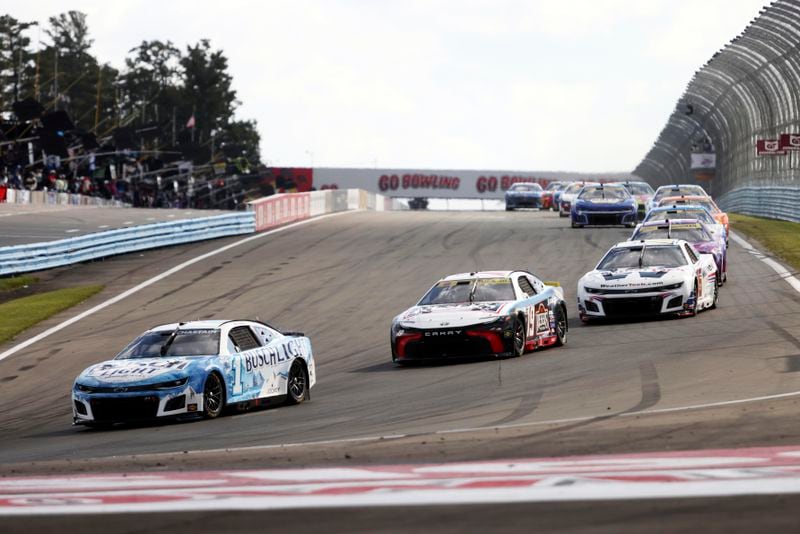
[
  {"x": 782, "y": 238},
  {"x": 8, "y": 284},
  {"x": 19, "y": 314}
]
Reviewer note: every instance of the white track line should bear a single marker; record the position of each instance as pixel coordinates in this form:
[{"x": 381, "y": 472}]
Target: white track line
[
  {"x": 777, "y": 267},
  {"x": 151, "y": 281}
]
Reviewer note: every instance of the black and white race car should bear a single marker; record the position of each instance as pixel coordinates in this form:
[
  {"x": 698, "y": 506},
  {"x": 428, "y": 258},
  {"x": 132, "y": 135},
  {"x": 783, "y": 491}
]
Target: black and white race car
[{"x": 480, "y": 314}]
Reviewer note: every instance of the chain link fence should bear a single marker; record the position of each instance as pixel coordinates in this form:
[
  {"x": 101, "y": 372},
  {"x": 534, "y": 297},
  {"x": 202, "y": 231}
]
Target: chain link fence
[{"x": 748, "y": 91}]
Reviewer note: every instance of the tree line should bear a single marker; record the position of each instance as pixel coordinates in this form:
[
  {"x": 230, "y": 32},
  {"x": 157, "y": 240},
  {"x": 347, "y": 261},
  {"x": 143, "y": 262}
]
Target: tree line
[{"x": 163, "y": 96}]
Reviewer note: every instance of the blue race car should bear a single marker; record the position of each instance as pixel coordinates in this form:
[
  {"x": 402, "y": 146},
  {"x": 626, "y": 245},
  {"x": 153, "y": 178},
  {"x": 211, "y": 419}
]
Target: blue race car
[
  {"x": 524, "y": 195},
  {"x": 603, "y": 205},
  {"x": 195, "y": 369}
]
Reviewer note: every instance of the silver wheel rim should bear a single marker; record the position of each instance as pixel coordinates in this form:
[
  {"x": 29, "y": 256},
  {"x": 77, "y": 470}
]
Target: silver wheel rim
[
  {"x": 519, "y": 338},
  {"x": 297, "y": 383},
  {"x": 213, "y": 394}
]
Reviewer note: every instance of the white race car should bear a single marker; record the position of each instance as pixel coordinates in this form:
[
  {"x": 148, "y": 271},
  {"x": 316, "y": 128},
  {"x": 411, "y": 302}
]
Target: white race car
[{"x": 647, "y": 278}]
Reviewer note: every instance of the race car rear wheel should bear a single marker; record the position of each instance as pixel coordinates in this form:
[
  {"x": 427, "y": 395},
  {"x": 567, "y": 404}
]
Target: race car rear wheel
[
  {"x": 561, "y": 326},
  {"x": 213, "y": 396},
  {"x": 297, "y": 387},
  {"x": 716, "y": 296},
  {"x": 519, "y": 337}
]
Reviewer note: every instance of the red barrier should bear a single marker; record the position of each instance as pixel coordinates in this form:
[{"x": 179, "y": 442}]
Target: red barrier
[
  {"x": 3, "y": 190},
  {"x": 281, "y": 209}
]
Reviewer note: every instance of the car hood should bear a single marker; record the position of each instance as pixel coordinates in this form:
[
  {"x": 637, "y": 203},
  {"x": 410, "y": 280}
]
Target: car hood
[
  {"x": 636, "y": 278},
  {"x": 451, "y": 315},
  {"x": 602, "y": 203},
  {"x": 140, "y": 370},
  {"x": 524, "y": 193}
]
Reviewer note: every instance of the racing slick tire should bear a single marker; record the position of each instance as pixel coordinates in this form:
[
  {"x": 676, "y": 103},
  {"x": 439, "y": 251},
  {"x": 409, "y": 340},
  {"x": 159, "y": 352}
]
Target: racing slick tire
[
  {"x": 519, "y": 337},
  {"x": 509, "y": 209},
  {"x": 576, "y": 225},
  {"x": 716, "y": 296},
  {"x": 213, "y": 396},
  {"x": 297, "y": 385},
  {"x": 561, "y": 213},
  {"x": 561, "y": 326}
]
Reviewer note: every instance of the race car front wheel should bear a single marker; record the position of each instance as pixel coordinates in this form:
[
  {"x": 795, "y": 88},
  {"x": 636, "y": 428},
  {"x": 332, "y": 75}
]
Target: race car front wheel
[
  {"x": 297, "y": 388},
  {"x": 213, "y": 396},
  {"x": 519, "y": 338},
  {"x": 561, "y": 326}
]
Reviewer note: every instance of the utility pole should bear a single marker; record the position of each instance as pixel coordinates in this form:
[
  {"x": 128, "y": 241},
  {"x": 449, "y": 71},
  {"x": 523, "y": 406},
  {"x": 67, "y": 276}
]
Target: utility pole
[
  {"x": 97, "y": 100},
  {"x": 55, "y": 78}
]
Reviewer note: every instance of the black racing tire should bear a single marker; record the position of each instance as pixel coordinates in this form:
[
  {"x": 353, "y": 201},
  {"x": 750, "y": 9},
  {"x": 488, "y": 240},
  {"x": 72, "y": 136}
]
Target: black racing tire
[
  {"x": 213, "y": 396},
  {"x": 563, "y": 214},
  {"x": 297, "y": 384},
  {"x": 693, "y": 311},
  {"x": 716, "y": 295},
  {"x": 576, "y": 225},
  {"x": 509, "y": 209},
  {"x": 562, "y": 326},
  {"x": 519, "y": 338}
]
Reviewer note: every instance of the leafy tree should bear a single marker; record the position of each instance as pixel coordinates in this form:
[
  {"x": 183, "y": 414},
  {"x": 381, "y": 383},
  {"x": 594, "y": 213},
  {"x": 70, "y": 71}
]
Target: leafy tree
[
  {"x": 241, "y": 139},
  {"x": 16, "y": 60},
  {"x": 207, "y": 86}
]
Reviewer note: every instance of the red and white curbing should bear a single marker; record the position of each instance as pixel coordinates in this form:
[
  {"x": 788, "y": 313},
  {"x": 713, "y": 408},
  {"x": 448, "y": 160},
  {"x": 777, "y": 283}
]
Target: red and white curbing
[{"x": 710, "y": 473}]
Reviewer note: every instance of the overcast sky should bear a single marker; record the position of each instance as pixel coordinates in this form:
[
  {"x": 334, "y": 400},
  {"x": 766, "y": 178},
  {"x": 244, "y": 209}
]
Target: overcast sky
[{"x": 574, "y": 85}]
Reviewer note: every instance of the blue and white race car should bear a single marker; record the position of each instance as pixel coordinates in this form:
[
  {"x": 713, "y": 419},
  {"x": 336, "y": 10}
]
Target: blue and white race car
[
  {"x": 196, "y": 368},
  {"x": 524, "y": 195}
]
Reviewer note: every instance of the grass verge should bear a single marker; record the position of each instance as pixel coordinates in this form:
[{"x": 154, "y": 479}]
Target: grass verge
[
  {"x": 18, "y": 314},
  {"x": 782, "y": 238},
  {"x": 8, "y": 284}
]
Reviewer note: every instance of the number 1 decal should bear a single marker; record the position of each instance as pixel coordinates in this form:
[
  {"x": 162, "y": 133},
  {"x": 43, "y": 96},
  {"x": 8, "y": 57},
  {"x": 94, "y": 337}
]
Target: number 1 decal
[{"x": 237, "y": 375}]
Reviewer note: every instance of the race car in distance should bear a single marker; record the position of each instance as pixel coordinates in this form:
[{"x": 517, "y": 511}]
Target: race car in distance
[
  {"x": 524, "y": 195},
  {"x": 648, "y": 278},
  {"x": 568, "y": 196},
  {"x": 707, "y": 202},
  {"x": 673, "y": 191},
  {"x": 548, "y": 195},
  {"x": 557, "y": 195},
  {"x": 689, "y": 211},
  {"x": 196, "y": 369},
  {"x": 603, "y": 205},
  {"x": 690, "y": 230},
  {"x": 481, "y": 314},
  {"x": 641, "y": 192}
]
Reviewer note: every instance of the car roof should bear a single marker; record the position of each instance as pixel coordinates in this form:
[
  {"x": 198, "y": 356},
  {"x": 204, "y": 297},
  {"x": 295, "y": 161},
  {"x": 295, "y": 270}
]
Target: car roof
[
  {"x": 480, "y": 274},
  {"x": 638, "y": 243},
  {"x": 666, "y": 222}
]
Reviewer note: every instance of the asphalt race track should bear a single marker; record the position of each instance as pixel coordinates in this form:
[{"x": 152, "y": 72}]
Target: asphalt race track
[
  {"x": 627, "y": 387},
  {"x": 34, "y": 223}
]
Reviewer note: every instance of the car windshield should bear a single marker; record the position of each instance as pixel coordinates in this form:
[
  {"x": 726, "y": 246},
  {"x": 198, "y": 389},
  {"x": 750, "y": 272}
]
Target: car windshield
[
  {"x": 573, "y": 188},
  {"x": 710, "y": 206},
  {"x": 525, "y": 187},
  {"x": 552, "y": 186},
  {"x": 684, "y": 190},
  {"x": 463, "y": 291},
  {"x": 604, "y": 193},
  {"x": 189, "y": 342},
  {"x": 644, "y": 256},
  {"x": 639, "y": 188},
  {"x": 699, "y": 214},
  {"x": 691, "y": 232}
]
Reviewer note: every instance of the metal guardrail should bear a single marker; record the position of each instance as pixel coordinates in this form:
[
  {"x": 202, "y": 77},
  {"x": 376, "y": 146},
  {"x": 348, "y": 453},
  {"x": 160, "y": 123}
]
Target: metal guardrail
[
  {"x": 37, "y": 256},
  {"x": 771, "y": 202}
]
